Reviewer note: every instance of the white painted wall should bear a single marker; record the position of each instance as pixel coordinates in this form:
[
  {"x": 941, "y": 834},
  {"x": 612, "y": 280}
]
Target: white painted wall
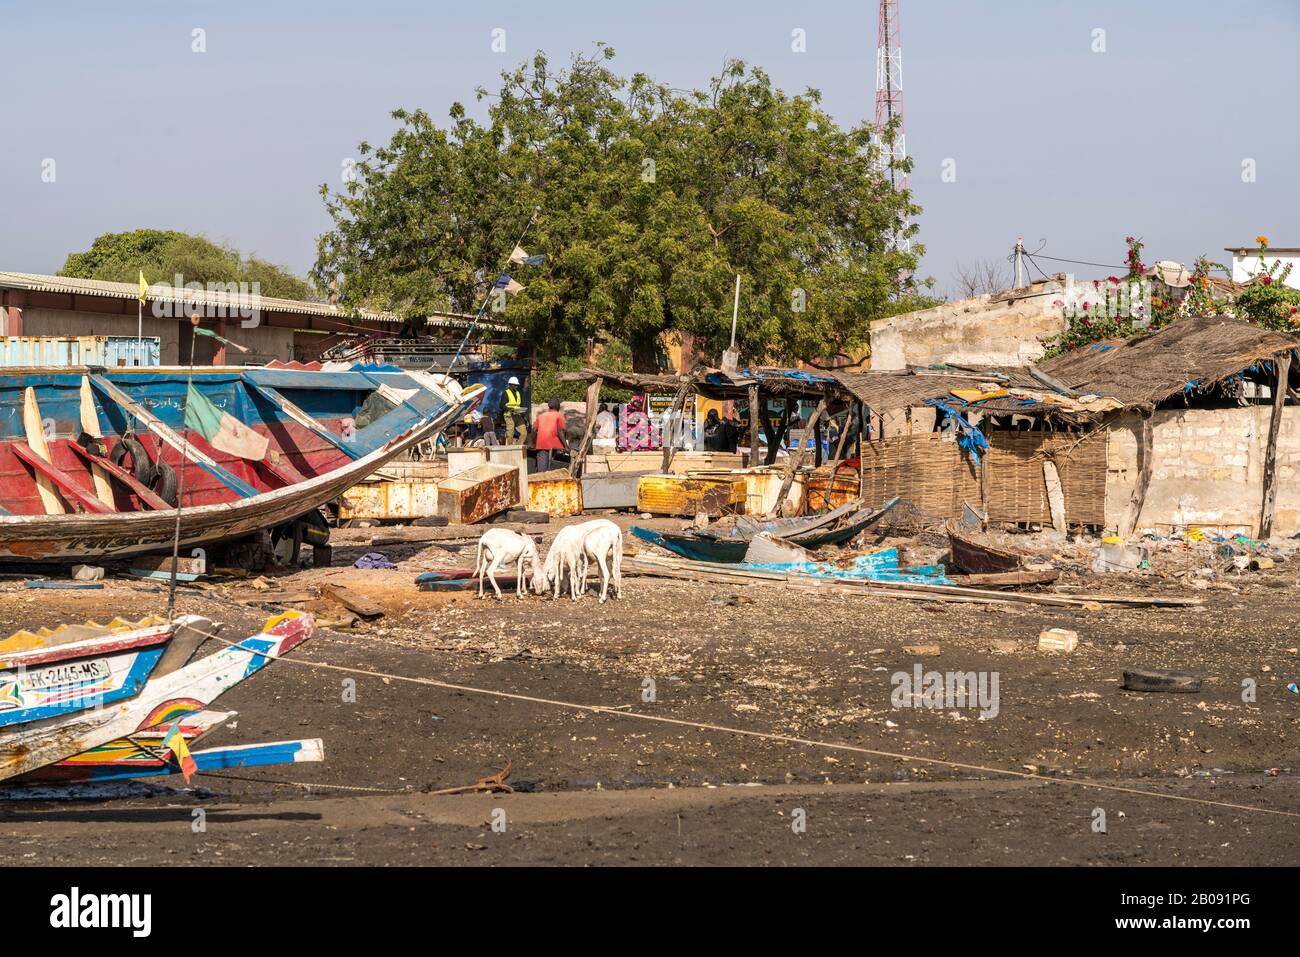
[{"x": 1246, "y": 266}]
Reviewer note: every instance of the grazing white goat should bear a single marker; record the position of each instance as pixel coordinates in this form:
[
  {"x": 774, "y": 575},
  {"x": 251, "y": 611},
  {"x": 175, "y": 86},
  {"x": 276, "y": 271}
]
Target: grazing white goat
[
  {"x": 564, "y": 557},
  {"x": 603, "y": 542},
  {"x": 497, "y": 548}
]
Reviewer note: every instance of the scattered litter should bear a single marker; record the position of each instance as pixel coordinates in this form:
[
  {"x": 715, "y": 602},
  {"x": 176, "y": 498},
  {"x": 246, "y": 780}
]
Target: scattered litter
[
  {"x": 87, "y": 573},
  {"x": 1058, "y": 639},
  {"x": 373, "y": 560},
  {"x": 1161, "y": 679}
]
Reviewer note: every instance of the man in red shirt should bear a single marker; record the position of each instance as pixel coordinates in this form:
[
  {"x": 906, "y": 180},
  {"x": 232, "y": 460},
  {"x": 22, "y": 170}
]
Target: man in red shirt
[{"x": 550, "y": 435}]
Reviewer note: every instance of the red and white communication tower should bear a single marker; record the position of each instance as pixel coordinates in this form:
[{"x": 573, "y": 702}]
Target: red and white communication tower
[{"x": 889, "y": 99}]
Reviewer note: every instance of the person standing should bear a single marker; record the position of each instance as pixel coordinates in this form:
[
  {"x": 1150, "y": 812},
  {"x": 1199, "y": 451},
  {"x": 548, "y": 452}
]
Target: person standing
[
  {"x": 516, "y": 424},
  {"x": 550, "y": 435}
]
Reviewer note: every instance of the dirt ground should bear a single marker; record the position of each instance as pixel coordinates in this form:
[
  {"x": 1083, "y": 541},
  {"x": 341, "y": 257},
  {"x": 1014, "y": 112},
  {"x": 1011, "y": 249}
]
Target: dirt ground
[{"x": 608, "y": 788}]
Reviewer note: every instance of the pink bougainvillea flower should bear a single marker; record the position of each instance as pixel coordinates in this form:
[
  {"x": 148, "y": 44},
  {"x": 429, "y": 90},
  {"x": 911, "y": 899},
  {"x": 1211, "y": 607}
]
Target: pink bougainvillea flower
[{"x": 1266, "y": 280}]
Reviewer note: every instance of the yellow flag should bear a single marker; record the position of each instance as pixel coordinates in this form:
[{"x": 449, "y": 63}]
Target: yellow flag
[{"x": 144, "y": 286}]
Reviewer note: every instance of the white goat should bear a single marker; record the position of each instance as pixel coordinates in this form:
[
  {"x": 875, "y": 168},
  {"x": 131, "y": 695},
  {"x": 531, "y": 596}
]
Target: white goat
[
  {"x": 497, "y": 548},
  {"x": 564, "y": 557},
  {"x": 603, "y": 542},
  {"x": 571, "y": 551}
]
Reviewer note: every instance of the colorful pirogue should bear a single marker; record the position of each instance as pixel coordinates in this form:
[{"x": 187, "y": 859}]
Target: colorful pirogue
[
  {"x": 94, "y": 461},
  {"x": 96, "y": 702}
]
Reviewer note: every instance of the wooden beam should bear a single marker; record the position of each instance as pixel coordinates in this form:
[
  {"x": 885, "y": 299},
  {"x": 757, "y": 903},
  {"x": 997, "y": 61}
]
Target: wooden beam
[
  {"x": 35, "y": 430},
  {"x": 796, "y": 459},
  {"x": 673, "y": 415},
  {"x": 754, "y": 414},
  {"x": 90, "y": 426},
  {"x": 165, "y": 432},
  {"x": 65, "y": 482},
  {"x": 1282, "y": 364},
  {"x": 1145, "y": 453},
  {"x": 593, "y": 403},
  {"x": 844, "y": 434},
  {"x": 145, "y": 494}
]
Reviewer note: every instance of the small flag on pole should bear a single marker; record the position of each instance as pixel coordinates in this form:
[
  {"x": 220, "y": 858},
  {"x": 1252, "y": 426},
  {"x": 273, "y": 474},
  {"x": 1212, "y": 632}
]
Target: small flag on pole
[
  {"x": 519, "y": 255},
  {"x": 175, "y": 742},
  {"x": 144, "y": 287},
  {"x": 509, "y": 285},
  {"x": 222, "y": 429}
]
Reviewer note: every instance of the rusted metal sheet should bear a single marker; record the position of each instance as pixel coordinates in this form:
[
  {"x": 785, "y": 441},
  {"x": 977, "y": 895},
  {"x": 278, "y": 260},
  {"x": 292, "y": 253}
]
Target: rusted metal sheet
[
  {"x": 555, "y": 492},
  {"x": 390, "y": 500},
  {"x": 680, "y": 495},
  {"x": 831, "y": 490},
  {"x": 478, "y": 493}
]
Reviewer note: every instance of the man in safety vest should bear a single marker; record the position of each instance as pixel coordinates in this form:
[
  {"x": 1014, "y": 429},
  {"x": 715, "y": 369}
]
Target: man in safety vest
[{"x": 513, "y": 408}]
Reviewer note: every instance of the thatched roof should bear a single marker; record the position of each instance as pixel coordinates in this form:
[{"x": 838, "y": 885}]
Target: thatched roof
[{"x": 1187, "y": 356}]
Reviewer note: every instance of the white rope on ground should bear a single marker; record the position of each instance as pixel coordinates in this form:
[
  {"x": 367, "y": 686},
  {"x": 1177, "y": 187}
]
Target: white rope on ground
[{"x": 765, "y": 735}]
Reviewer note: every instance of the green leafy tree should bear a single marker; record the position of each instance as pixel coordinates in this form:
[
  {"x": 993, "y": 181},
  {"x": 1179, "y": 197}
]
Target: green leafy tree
[
  {"x": 164, "y": 254},
  {"x": 648, "y": 202}
]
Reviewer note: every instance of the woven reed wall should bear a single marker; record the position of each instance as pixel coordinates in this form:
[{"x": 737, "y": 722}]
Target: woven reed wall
[{"x": 932, "y": 472}]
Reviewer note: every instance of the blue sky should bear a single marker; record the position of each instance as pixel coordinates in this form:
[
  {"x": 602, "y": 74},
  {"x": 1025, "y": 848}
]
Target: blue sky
[{"x": 1051, "y": 141}]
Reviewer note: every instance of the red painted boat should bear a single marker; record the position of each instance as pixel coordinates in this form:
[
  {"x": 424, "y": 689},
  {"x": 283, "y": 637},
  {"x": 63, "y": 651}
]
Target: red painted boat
[{"x": 93, "y": 462}]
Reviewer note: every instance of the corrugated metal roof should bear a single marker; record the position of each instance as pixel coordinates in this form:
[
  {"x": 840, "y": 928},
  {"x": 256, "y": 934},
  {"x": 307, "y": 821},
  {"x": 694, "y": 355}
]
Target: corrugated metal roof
[{"x": 161, "y": 292}]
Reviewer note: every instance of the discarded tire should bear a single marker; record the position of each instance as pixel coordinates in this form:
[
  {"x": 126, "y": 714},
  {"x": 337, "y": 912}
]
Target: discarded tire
[
  {"x": 164, "y": 483},
  {"x": 1160, "y": 679},
  {"x": 141, "y": 467}
]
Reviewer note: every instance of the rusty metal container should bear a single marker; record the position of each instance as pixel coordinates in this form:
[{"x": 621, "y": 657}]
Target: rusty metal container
[
  {"x": 390, "y": 500},
  {"x": 831, "y": 490},
  {"x": 681, "y": 495},
  {"x": 555, "y": 492},
  {"x": 611, "y": 489},
  {"x": 478, "y": 493}
]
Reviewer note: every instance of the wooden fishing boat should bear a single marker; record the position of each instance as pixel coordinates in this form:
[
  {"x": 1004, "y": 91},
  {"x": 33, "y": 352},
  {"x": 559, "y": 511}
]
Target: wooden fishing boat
[
  {"x": 66, "y": 693},
  {"x": 809, "y": 532},
  {"x": 93, "y": 461},
  {"x": 979, "y": 558}
]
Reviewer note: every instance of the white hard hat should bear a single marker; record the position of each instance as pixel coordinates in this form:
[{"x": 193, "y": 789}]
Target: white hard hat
[{"x": 513, "y": 381}]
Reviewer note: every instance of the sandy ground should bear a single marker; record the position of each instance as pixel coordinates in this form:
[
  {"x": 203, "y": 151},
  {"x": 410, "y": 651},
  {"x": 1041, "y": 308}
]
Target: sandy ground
[{"x": 602, "y": 788}]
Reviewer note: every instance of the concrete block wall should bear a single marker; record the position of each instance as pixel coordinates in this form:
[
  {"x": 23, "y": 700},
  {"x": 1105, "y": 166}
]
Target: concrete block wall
[
  {"x": 993, "y": 329},
  {"x": 1207, "y": 470}
]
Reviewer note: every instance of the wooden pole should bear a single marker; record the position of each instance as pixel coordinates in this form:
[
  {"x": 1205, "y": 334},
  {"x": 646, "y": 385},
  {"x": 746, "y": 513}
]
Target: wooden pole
[
  {"x": 1145, "y": 455},
  {"x": 753, "y": 425},
  {"x": 673, "y": 415},
  {"x": 593, "y": 403},
  {"x": 844, "y": 433},
  {"x": 1283, "y": 366},
  {"x": 796, "y": 459}
]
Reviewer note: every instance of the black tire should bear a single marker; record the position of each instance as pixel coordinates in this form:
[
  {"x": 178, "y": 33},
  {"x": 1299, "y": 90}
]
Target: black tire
[
  {"x": 141, "y": 467},
  {"x": 1160, "y": 679},
  {"x": 164, "y": 483}
]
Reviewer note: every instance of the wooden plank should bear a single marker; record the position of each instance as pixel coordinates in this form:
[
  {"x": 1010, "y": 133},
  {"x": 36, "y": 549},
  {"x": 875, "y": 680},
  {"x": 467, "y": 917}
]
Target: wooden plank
[
  {"x": 593, "y": 404},
  {"x": 353, "y": 602},
  {"x": 35, "y": 430},
  {"x": 90, "y": 426},
  {"x": 753, "y": 425},
  {"x": 146, "y": 495},
  {"x": 302, "y": 418},
  {"x": 65, "y": 482},
  {"x": 1283, "y": 368},
  {"x": 1145, "y": 451},
  {"x": 165, "y": 432},
  {"x": 674, "y": 415}
]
